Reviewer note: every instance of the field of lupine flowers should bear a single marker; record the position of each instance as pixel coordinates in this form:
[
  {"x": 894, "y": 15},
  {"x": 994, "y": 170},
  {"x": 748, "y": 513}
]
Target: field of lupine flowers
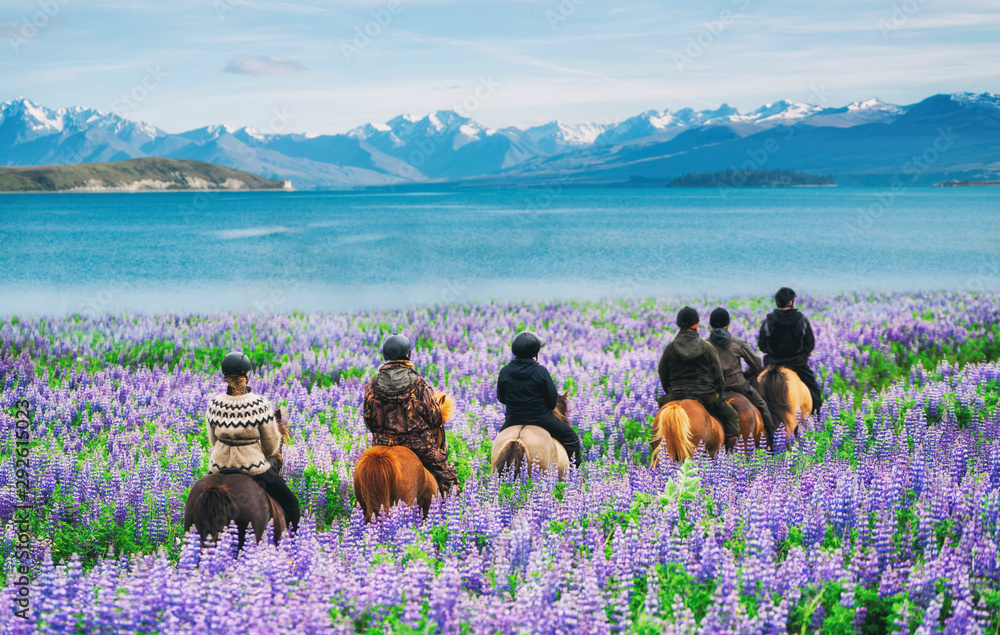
[{"x": 883, "y": 517}]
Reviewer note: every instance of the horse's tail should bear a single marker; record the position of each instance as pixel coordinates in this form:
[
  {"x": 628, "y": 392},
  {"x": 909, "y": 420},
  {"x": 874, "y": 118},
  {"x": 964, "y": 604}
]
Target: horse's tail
[
  {"x": 374, "y": 479},
  {"x": 675, "y": 430},
  {"x": 512, "y": 457},
  {"x": 774, "y": 390},
  {"x": 213, "y": 509},
  {"x": 447, "y": 403}
]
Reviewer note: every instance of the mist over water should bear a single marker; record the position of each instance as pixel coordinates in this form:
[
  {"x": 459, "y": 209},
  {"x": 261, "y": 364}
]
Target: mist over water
[{"x": 285, "y": 251}]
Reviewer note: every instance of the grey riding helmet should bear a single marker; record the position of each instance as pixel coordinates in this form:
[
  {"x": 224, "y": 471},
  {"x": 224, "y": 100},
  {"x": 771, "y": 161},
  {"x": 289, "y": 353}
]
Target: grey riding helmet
[{"x": 526, "y": 344}]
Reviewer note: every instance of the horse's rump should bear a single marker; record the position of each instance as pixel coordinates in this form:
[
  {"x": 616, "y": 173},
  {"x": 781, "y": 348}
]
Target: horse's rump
[
  {"x": 751, "y": 420},
  {"x": 213, "y": 509},
  {"x": 517, "y": 446},
  {"x": 511, "y": 457},
  {"x": 774, "y": 389}
]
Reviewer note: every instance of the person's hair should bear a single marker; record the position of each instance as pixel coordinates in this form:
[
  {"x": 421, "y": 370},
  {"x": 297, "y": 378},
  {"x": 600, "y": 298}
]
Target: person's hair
[
  {"x": 784, "y": 297},
  {"x": 237, "y": 384},
  {"x": 719, "y": 318}
]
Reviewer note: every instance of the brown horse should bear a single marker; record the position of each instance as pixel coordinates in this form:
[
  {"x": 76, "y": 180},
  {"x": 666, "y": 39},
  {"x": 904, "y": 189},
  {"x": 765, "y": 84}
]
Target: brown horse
[
  {"x": 751, "y": 422},
  {"x": 680, "y": 426},
  {"x": 386, "y": 475},
  {"x": 217, "y": 499},
  {"x": 786, "y": 396},
  {"x": 517, "y": 445}
]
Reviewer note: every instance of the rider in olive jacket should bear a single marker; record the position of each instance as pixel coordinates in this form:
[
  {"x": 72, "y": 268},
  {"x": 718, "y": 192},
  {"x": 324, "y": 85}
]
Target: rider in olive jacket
[
  {"x": 690, "y": 369},
  {"x": 527, "y": 389}
]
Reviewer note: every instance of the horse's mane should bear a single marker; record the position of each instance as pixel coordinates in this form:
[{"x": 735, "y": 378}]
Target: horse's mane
[
  {"x": 374, "y": 476},
  {"x": 214, "y": 508},
  {"x": 447, "y": 403},
  {"x": 774, "y": 390},
  {"x": 561, "y": 411}
]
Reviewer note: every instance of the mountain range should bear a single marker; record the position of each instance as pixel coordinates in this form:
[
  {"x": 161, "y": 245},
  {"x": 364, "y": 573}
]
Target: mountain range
[{"x": 943, "y": 137}]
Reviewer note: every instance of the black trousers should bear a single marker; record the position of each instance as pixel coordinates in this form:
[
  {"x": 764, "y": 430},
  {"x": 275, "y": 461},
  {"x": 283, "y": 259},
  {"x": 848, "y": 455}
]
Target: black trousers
[
  {"x": 276, "y": 488},
  {"x": 560, "y": 431},
  {"x": 750, "y": 393}
]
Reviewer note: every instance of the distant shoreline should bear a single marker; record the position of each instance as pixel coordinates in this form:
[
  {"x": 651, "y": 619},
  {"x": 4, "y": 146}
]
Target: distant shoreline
[{"x": 968, "y": 184}]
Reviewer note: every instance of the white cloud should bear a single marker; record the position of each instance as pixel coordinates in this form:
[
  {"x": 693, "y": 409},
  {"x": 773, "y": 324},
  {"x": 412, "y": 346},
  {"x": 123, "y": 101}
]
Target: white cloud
[{"x": 261, "y": 66}]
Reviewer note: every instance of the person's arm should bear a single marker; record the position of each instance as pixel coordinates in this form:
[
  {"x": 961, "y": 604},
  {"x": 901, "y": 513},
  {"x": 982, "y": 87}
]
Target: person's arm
[
  {"x": 663, "y": 370},
  {"x": 716, "y": 365},
  {"x": 211, "y": 429},
  {"x": 427, "y": 405},
  {"x": 502, "y": 386},
  {"x": 753, "y": 362},
  {"x": 367, "y": 409},
  {"x": 270, "y": 436},
  {"x": 763, "y": 345},
  {"x": 808, "y": 339},
  {"x": 549, "y": 391}
]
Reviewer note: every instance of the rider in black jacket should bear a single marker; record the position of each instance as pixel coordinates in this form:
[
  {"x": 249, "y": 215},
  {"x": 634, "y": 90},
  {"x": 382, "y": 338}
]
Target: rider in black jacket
[
  {"x": 787, "y": 339},
  {"x": 527, "y": 389}
]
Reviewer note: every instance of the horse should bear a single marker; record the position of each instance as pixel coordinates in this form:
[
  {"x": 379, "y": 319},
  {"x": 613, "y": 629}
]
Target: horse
[
  {"x": 751, "y": 421},
  {"x": 786, "y": 396},
  {"x": 386, "y": 475},
  {"x": 515, "y": 446},
  {"x": 680, "y": 426},
  {"x": 219, "y": 498}
]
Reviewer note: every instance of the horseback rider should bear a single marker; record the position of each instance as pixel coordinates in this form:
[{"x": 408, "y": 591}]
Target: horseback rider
[
  {"x": 731, "y": 350},
  {"x": 527, "y": 389},
  {"x": 244, "y": 434},
  {"x": 689, "y": 369},
  {"x": 786, "y": 338},
  {"x": 400, "y": 409}
]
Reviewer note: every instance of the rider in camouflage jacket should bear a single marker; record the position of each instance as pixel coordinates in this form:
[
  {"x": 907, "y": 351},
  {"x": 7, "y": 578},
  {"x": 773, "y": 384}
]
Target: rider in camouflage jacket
[{"x": 399, "y": 409}]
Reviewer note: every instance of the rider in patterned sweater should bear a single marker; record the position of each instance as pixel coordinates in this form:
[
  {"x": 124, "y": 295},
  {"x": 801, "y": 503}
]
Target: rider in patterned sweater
[
  {"x": 399, "y": 409},
  {"x": 244, "y": 434}
]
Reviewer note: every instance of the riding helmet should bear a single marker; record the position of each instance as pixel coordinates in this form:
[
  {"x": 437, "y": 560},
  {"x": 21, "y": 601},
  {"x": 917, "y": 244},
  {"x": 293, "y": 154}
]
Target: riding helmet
[
  {"x": 395, "y": 347},
  {"x": 784, "y": 297},
  {"x": 236, "y": 364},
  {"x": 719, "y": 318},
  {"x": 687, "y": 317},
  {"x": 526, "y": 344}
]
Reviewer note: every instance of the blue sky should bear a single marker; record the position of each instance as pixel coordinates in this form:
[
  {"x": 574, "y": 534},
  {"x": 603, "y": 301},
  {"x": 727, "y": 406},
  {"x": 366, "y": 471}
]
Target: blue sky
[{"x": 300, "y": 67}]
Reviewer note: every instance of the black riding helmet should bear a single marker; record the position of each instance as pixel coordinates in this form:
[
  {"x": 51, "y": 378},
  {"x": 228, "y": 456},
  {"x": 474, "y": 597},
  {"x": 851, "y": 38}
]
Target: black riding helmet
[
  {"x": 526, "y": 344},
  {"x": 236, "y": 364},
  {"x": 687, "y": 317},
  {"x": 395, "y": 347},
  {"x": 784, "y": 297}
]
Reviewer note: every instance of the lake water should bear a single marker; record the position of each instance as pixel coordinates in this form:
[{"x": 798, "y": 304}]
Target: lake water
[{"x": 340, "y": 251}]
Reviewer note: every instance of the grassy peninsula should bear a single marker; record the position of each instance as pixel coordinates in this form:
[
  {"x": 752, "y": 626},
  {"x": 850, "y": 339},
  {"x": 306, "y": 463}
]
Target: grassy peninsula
[{"x": 133, "y": 175}]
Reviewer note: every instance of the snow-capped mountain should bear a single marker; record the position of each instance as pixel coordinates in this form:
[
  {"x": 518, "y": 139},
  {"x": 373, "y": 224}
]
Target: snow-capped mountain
[{"x": 446, "y": 146}]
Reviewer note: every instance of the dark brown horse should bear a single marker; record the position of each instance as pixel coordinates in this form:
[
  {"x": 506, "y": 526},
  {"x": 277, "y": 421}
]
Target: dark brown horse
[
  {"x": 519, "y": 445},
  {"x": 680, "y": 426},
  {"x": 217, "y": 499},
  {"x": 751, "y": 422},
  {"x": 386, "y": 475}
]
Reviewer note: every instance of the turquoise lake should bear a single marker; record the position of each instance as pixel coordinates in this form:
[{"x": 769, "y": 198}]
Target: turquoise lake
[{"x": 284, "y": 251}]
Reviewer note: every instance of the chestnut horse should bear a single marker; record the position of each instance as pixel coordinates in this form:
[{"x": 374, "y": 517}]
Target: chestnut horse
[
  {"x": 221, "y": 497},
  {"x": 751, "y": 422},
  {"x": 680, "y": 426},
  {"x": 386, "y": 474},
  {"x": 786, "y": 396},
  {"x": 517, "y": 445}
]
